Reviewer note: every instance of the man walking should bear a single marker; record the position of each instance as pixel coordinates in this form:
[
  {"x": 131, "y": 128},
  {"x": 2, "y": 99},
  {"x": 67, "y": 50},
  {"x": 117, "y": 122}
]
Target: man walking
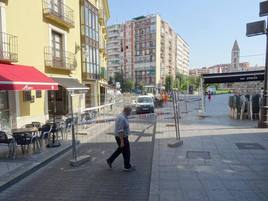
[{"x": 121, "y": 137}]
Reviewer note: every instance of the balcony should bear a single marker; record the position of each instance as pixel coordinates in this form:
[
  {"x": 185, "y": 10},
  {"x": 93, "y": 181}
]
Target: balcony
[
  {"x": 58, "y": 13},
  {"x": 59, "y": 59},
  {"x": 90, "y": 76},
  {"x": 8, "y": 48}
]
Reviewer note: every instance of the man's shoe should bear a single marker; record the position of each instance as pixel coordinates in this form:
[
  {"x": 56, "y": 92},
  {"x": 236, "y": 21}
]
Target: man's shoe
[
  {"x": 109, "y": 163},
  {"x": 131, "y": 169}
]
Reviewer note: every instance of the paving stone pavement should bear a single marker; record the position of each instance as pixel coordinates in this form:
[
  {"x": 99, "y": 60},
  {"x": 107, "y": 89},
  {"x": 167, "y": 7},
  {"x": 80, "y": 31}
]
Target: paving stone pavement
[
  {"x": 232, "y": 174},
  {"x": 92, "y": 181}
]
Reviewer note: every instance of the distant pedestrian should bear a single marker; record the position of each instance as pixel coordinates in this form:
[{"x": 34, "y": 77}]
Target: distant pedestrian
[
  {"x": 121, "y": 137},
  {"x": 209, "y": 95}
]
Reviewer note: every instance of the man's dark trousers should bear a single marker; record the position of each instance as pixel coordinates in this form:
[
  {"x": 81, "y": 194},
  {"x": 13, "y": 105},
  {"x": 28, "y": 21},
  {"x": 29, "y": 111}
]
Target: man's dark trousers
[{"x": 124, "y": 150}]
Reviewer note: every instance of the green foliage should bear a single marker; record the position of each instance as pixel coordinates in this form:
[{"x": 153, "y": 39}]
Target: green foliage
[
  {"x": 176, "y": 83},
  {"x": 185, "y": 81},
  {"x": 118, "y": 77},
  {"x": 110, "y": 81},
  {"x": 128, "y": 86},
  {"x": 169, "y": 83}
]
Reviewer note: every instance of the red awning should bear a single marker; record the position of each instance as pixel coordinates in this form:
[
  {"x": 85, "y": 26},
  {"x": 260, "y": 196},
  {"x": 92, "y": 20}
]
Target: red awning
[{"x": 22, "y": 78}]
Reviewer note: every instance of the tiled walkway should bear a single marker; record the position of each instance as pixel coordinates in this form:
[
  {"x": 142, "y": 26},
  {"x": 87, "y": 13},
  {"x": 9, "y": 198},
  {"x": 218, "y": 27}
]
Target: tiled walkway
[{"x": 230, "y": 173}]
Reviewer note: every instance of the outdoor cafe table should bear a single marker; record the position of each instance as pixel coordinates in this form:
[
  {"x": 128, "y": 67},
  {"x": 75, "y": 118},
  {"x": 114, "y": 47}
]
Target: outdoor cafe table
[{"x": 22, "y": 131}]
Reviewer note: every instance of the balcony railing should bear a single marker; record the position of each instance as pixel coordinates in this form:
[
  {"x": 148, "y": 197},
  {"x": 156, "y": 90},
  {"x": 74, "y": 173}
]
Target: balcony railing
[
  {"x": 58, "y": 12},
  {"x": 59, "y": 59},
  {"x": 8, "y": 47},
  {"x": 90, "y": 76}
]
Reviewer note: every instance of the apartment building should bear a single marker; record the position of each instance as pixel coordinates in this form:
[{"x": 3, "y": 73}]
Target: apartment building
[
  {"x": 168, "y": 51},
  {"x": 42, "y": 58},
  {"x": 148, "y": 51},
  {"x": 147, "y": 56},
  {"x": 183, "y": 54},
  {"x": 114, "y": 50}
]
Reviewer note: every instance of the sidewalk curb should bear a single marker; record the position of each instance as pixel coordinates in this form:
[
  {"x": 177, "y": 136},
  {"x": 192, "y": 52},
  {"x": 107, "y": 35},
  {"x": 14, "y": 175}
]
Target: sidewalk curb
[
  {"x": 31, "y": 169},
  {"x": 154, "y": 141}
]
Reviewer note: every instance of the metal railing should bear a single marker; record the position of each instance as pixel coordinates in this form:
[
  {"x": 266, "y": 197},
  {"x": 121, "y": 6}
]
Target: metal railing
[
  {"x": 90, "y": 76},
  {"x": 57, "y": 10},
  {"x": 65, "y": 60},
  {"x": 8, "y": 47}
]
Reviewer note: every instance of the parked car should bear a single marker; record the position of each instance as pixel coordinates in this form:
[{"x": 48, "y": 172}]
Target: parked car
[{"x": 144, "y": 104}]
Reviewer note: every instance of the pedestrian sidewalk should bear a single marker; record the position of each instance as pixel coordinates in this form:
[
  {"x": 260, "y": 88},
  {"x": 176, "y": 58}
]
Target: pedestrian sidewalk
[
  {"x": 13, "y": 170},
  {"x": 221, "y": 159}
]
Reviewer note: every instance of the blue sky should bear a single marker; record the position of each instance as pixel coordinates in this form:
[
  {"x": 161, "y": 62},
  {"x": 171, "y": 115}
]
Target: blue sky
[{"x": 209, "y": 26}]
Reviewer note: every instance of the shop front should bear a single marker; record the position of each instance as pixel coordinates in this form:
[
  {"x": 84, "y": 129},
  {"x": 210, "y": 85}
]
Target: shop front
[
  {"x": 59, "y": 102},
  {"x": 17, "y": 83}
]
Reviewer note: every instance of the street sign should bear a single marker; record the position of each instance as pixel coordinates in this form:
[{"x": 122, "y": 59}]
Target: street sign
[
  {"x": 256, "y": 28},
  {"x": 245, "y": 76},
  {"x": 263, "y": 8}
]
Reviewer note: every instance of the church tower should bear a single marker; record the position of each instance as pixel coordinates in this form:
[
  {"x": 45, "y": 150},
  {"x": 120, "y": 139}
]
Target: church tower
[{"x": 235, "y": 57}]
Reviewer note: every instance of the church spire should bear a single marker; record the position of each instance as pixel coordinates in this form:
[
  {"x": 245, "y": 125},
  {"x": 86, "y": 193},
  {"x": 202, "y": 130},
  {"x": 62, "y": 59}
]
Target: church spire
[
  {"x": 235, "y": 47},
  {"x": 235, "y": 57}
]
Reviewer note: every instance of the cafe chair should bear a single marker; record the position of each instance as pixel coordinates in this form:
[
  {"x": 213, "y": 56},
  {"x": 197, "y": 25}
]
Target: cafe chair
[
  {"x": 25, "y": 140},
  {"x": 46, "y": 131},
  {"x": 8, "y": 140},
  {"x": 68, "y": 127},
  {"x": 36, "y": 124}
]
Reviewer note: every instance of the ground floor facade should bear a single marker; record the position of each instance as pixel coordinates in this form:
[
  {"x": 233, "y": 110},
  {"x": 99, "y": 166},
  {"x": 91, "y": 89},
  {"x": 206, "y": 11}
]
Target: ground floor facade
[{"x": 18, "y": 108}]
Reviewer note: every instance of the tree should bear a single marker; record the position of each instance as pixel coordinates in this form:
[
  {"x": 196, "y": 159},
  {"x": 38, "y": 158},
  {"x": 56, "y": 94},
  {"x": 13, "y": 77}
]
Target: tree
[
  {"x": 194, "y": 81},
  {"x": 176, "y": 83},
  {"x": 129, "y": 85},
  {"x": 140, "y": 85},
  {"x": 183, "y": 82},
  {"x": 169, "y": 83},
  {"x": 118, "y": 77},
  {"x": 110, "y": 82}
]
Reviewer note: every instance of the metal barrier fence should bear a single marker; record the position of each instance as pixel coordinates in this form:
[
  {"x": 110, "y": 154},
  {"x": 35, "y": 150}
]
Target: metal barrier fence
[
  {"x": 96, "y": 125},
  {"x": 245, "y": 106}
]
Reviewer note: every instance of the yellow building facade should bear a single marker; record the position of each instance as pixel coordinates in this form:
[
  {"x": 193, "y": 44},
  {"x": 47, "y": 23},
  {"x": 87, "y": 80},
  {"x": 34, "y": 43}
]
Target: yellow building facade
[
  {"x": 48, "y": 35},
  {"x": 94, "y": 17}
]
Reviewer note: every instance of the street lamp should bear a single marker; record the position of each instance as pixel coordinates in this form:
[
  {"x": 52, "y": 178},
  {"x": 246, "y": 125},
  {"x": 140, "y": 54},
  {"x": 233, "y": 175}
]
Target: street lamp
[{"x": 254, "y": 29}]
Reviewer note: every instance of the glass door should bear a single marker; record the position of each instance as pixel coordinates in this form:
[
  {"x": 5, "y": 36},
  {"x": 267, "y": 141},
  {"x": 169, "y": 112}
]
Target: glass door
[
  {"x": 4, "y": 111},
  {"x": 57, "y": 49}
]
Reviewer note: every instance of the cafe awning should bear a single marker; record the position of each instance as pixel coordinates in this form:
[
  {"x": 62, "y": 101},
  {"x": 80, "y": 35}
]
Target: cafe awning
[
  {"x": 22, "y": 78},
  {"x": 71, "y": 84}
]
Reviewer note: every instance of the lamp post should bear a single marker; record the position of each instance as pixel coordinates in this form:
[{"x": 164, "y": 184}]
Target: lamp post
[{"x": 254, "y": 29}]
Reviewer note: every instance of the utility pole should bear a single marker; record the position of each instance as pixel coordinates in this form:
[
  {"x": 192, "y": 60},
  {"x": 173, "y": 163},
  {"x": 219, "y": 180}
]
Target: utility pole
[{"x": 254, "y": 29}]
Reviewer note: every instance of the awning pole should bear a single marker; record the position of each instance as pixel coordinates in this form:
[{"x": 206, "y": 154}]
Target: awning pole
[
  {"x": 73, "y": 134},
  {"x": 202, "y": 95}
]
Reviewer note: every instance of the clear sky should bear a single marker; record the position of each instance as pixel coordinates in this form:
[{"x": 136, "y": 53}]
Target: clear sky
[{"x": 210, "y": 27}]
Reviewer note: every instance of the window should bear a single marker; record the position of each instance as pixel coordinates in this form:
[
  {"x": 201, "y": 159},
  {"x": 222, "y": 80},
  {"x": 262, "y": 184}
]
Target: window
[
  {"x": 38, "y": 94},
  {"x": 91, "y": 25},
  {"x": 91, "y": 60},
  {"x": 57, "y": 44},
  {"x": 27, "y": 96}
]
